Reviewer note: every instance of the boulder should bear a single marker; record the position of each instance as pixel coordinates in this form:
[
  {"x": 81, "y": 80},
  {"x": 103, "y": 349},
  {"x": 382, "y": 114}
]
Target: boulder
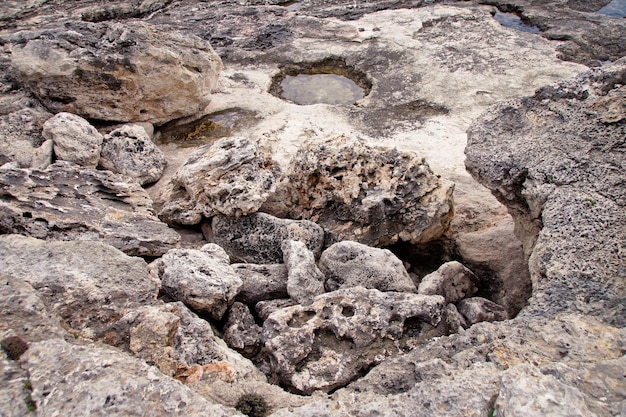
[
  {"x": 257, "y": 238},
  {"x": 305, "y": 281},
  {"x": 232, "y": 177},
  {"x": 68, "y": 202},
  {"x": 452, "y": 280},
  {"x": 21, "y": 140},
  {"x": 327, "y": 344},
  {"x": 350, "y": 264},
  {"x": 116, "y": 71},
  {"x": 129, "y": 150},
  {"x": 241, "y": 331},
  {"x": 261, "y": 282},
  {"x": 202, "y": 279},
  {"x": 477, "y": 309},
  {"x": 74, "y": 139}
]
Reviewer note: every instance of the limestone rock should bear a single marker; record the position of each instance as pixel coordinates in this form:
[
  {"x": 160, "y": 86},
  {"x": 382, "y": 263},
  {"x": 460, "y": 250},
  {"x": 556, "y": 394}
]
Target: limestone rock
[
  {"x": 21, "y": 140},
  {"x": 477, "y": 309},
  {"x": 133, "y": 8},
  {"x": 75, "y": 140},
  {"x": 263, "y": 309},
  {"x": 202, "y": 279},
  {"x": 375, "y": 196},
  {"x": 328, "y": 343},
  {"x": 305, "y": 281},
  {"x": 14, "y": 392},
  {"x": 117, "y": 71},
  {"x": 128, "y": 150},
  {"x": 241, "y": 331},
  {"x": 452, "y": 280},
  {"x": 257, "y": 238},
  {"x": 261, "y": 282},
  {"x": 232, "y": 177},
  {"x": 68, "y": 202},
  {"x": 350, "y": 264}
]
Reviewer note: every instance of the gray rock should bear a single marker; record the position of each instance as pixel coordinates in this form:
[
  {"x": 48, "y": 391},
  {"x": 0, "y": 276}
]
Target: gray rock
[
  {"x": 329, "y": 343},
  {"x": 349, "y": 264},
  {"x": 128, "y": 150},
  {"x": 455, "y": 320},
  {"x": 117, "y": 71},
  {"x": 452, "y": 280},
  {"x": 21, "y": 140},
  {"x": 202, "y": 279},
  {"x": 477, "y": 309},
  {"x": 68, "y": 202},
  {"x": 241, "y": 331},
  {"x": 305, "y": 281},
  {"x": 263, "y": 309},
  {"x": 257, "y": 238},
  {"x": 232, "y": 177},
  {"x": 261, "y": 282},
  {"x": 75, "y": 140},
  {"x": 13, "y": 394}
]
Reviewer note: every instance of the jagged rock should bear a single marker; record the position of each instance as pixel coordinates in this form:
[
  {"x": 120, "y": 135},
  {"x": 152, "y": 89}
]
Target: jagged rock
[
  {"x": 241, "y": 331},
  {"x": 477, "y": 309},
  {"x": 128, "y": 150},
  {"x": 68, "y": 202},
  {"x": 452, "y": 280},
  {"x": 87, "y": 284},
  {"x": 75, "y": 140},
  {"x": 328, "y": 343},
  {"x": 257, "y": 238},
  {"x": 263, "y": 309},
  {"x": 305, "y": 281},
  {"x": 133, "y": 8},
  {"x": 232, "y": 177},
  {"x": 350, "y": 264},
  {"x": 455, "y": 320},
  {"x": 21, "y": 140},
  {"x": 261, "y": 282},
  {"x": 117, "y": 71},
  {"x": 202, "y": 279},
  {"x": 375, "y": 196}
]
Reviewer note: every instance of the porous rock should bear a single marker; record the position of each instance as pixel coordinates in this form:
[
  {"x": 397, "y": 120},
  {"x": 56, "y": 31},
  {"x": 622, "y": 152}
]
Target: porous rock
[
  {"x": 241, "y": 331},
  {"x": 452, "y": 280},
  {"x": 261, "y": 282},
  {"x": 116, "y": 71},
  {"x": 232, "y": 177},
  {"x": 350, "y": 264},
  {"x": 68, "y": 202},
  {"x": 263, "y": 309},
  {"x": 328, "y": 343},
  {"x": 21, "y": 140},
  {"x": 305, "y": 281},
  {"x": 128, "y": 150},
  {"x": 477, "y": 309},
  {"x": 74, "y": 139},
  {"x": 257, "y": 238}
]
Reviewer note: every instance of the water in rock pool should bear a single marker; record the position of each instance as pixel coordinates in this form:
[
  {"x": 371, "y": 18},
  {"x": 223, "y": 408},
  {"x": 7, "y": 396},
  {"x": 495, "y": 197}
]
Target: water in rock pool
[
  {"x": 616, "y": 8},
  {"x": 513, "y": 21},
  {"x": 320, "y": 88}
]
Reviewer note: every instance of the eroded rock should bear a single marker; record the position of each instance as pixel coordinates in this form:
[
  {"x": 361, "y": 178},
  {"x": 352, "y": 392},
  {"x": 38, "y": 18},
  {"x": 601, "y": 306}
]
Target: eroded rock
[
  {"x": 241, "y": 331},
  {"x": 305, "y": 281},
  {"x": 74, "y": 139},
  {"x": 477, "y": 309},
  {"x": 452, "y": 280},
  {"x": 21, "y": 140},
  {"x": 261, "y": 282}
]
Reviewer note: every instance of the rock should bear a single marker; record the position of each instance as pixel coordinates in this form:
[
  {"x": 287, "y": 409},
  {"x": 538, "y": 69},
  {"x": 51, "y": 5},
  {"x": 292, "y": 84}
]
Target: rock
[
  {"x": 68, "y": 202},
  {"x": 128, "y": 150},
  {"x": 349, "y": 264},
  {"x": 87, "y": 284},
  {"x": 452, "y": 280},
  {"x": 116, "y": 71},
  {"x": 241, "y": 331},
  {"x": 202, "y": 279},
  {"x": 305, "y": 281},
  {"x": 261, "y": 282},
  {"x": 375, "y": 196},
  {"x": 232, "y": 177},
  {"x": 477, "y": 309},
  {"x": 14, "y": 392},
  {"x": 257, "y": 238},
  {"x": 21, "y": 140},
  {"x": 134, "y": 8},
  {"x": 455, "y": 320},
  {"x": 75, "y": 140},
  {"x": 330, "y": 342},
  {"x": 263, "y": 309}
]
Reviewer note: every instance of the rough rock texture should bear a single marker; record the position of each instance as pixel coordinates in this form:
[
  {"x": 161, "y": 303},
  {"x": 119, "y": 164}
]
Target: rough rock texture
[
  {"x": 241, "y": 331},
  {"x": 305, "y": 281},
  {"x": 69, "y": 202},
  {"x": 261, "y": 282},
  {"x": 350, "y": 264},
  {"x": 21, "y": 140},
  {"x": 74, "y": 139},
  {"x": 257, "y": 238},
  {"x": 263, "y": 309},
  {"x": 202, "y": 279},
  {"x": 330, "y": 342},
  {"x": 375, "y": 196},
  {"x": 477, "y": 309},
  {"x": 116, "y": 71},
  {"x": 129, "y": 150},
  {"x": 232, "y": 177},
  {"x": 452, "y": 280}
]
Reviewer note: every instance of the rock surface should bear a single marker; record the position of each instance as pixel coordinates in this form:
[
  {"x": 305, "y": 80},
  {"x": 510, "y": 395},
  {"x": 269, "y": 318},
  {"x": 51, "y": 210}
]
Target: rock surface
[
  {"x": 241, "y": 331},
  {"x": 304, "y": 279},
  {"x": 261, "y": 282},
  {"x": 74, "y": 139},
  {"x": 21, "y": 140},
  {"x": 452, "y": 280},
  {"x": 477, "y": 309}
]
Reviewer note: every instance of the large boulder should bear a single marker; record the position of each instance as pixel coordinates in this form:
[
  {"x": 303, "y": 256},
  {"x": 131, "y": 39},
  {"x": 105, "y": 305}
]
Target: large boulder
[
  {"x": 74, "y": 139},
  {"x": 116, "y": 71}
]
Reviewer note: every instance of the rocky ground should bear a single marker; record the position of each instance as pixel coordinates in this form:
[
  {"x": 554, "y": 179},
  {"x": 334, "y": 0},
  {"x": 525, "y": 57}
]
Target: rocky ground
[{"x": 177, "y": 239}]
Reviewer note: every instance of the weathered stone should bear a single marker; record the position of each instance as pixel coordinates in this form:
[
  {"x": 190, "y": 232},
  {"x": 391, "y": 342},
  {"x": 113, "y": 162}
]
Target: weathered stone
[
  {"x": 128, "y": 150},
  {"x": 455, "y": 320},
  {"x": 375, "y": 196},
  {"x": 14, "y": 381},
  {"x": 133, "y": 8},
  {"x": 87, "y": 284},
  {"x": 21, "y": 140},
  {"x": 452, "y": 280},
  {"x": 232, "y": 177},
  {"x": 68, "y": 202},
  {"x": 202, "y": 279},
  {"x": 241, "y": 331},
  {"x": 263, "y": 309},
  {"x": 305, "y": 281},
  {"x": 117, "y": 71},
  {"x": 75, "y": 140},
  {"x": 349, "y": 264},
  {"x": 477, "y": 309},
  {"x": 328, "y": 343},
  {"x": 261, "y": 282},
  {"x": 257, "y": 238}
]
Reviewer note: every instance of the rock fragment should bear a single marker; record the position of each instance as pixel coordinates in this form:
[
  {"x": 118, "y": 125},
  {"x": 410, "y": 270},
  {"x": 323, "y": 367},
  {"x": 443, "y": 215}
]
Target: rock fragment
[
  {"x": 477, "y": 309},
  {"x": 75, "y": 139},
  {"x": 305, "y": 281},
  {"x": 21, "y": 140},
  {"x": 261, "y": 282},
  {"x": 241, "y": 331},
  {"x": 452, "y": 280}
]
